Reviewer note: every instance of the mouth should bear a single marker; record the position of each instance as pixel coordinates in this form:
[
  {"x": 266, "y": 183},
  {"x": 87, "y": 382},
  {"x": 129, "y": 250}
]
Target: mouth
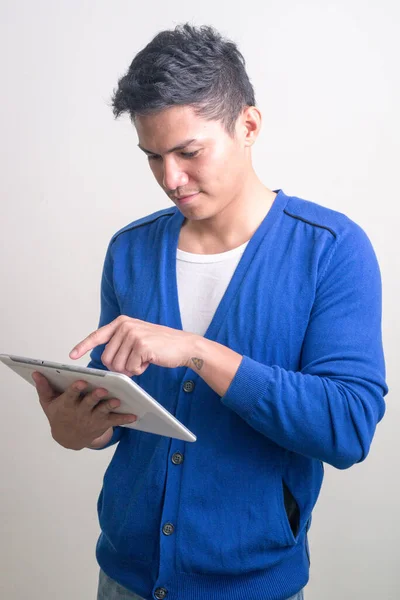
[{"x": 184, "y": 199}]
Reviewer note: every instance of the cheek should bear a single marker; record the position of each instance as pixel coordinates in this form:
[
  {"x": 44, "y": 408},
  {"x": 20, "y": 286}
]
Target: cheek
[
  {"x": 223, "y": 173},
  {"x": 204, "y": 170},
  {"x": 222, "y": 166},
  {"x": 157, "y": 170}
]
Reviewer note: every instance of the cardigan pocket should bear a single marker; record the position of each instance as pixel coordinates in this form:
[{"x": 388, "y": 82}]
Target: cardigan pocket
[
  {"x": 232, "y": 531},
  {"x": 290, "y": 513},
  {"x": 129, "y": 502}
]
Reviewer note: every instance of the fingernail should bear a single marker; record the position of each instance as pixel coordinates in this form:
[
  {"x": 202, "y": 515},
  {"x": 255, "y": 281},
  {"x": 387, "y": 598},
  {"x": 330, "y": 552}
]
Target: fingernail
[{"x": 80, "y": 387}]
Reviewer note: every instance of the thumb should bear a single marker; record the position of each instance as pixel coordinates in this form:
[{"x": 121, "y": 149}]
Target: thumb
[{"x": 44, "y": 389}]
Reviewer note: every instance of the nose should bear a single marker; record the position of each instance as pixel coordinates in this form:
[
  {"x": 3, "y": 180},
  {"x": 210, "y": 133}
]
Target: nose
[{"x": 174, "y": 175}]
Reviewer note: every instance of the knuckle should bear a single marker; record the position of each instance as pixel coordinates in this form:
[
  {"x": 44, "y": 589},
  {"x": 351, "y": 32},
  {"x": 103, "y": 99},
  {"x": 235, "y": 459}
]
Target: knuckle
[
  {"x": 88, "y": 400},
  {"x": 125, "y": 327},
  {"x": 132, "y": 331},
  {"x": 106, "y": 362},
  {"x": 79, "y": 386},
  {"x": 101, "y": 406},
  {"x": 93, "y": 400}
]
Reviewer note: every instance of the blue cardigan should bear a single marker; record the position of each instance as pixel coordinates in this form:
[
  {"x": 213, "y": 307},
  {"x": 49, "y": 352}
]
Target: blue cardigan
[{"x": 304, "y": 309}]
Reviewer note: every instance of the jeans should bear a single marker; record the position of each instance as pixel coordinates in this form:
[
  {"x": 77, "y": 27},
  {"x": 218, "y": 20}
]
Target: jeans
[{"x": 111, "y": 590}]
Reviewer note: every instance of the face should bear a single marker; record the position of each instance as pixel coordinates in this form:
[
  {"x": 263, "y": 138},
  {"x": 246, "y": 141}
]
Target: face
[{"x": 196, "y": 162}]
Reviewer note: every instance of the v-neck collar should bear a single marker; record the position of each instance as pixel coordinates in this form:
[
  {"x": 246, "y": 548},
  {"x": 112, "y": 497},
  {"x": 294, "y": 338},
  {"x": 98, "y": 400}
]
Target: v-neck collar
[{"x": 172, "y": 241}]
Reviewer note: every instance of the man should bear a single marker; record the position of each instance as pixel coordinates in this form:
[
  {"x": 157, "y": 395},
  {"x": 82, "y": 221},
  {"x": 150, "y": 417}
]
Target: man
[{"x": 252, "y": 316}]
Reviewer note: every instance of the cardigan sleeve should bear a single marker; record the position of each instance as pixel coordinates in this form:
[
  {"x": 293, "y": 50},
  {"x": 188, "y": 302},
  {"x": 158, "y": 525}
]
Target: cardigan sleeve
[{"x": 329, "y": 408}]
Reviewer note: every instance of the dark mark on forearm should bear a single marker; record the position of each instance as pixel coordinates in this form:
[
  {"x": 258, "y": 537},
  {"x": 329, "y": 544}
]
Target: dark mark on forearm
[{"x": 198, "y": 363}]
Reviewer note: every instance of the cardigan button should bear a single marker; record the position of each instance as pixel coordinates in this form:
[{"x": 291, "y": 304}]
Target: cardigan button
[
  {"x": 188, "y": 386},
  {"x": 160, "y": 593},
  {"x": 177, "y": 458},
  {"x": 168, "y": 529}
]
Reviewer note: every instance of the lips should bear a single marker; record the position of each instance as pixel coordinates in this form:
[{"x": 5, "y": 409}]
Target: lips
[{"x": 184, "y": 199}]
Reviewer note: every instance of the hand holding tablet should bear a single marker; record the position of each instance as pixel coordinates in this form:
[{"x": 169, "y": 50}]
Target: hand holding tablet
[
  {"x": 78, "y": 419},
  {"x": 131, "y": 345},
  {"x": 91, "y": 416}
]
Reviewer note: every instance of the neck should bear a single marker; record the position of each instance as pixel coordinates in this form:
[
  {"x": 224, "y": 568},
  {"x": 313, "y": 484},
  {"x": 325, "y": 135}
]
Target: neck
[{"x": 233, "y": 225}]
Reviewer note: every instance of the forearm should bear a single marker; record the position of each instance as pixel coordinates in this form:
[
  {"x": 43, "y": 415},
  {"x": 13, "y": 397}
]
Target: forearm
[
  {"x": 215, "y": 363},
  {"x": 331, "y": 419}
]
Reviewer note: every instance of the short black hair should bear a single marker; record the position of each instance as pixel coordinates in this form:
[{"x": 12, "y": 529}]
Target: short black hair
[{"x": 188, "y": 65}]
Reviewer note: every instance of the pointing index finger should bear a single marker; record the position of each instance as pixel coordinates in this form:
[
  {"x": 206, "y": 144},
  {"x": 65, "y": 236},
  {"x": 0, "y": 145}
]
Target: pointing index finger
[{"x": 100, "y": 336}]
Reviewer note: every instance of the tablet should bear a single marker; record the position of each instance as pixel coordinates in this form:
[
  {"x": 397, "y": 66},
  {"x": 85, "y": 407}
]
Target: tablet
[{"x": 152, "y": 417}]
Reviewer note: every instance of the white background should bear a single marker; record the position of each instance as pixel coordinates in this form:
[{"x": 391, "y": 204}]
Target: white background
[{"x": 326, "y": 76}]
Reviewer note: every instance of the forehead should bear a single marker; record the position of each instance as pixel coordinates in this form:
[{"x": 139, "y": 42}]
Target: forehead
[{"x": 169, "y": 127}]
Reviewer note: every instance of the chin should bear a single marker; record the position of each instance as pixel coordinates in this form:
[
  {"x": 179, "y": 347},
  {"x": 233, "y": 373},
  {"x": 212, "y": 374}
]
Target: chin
[{"x": 198, "y": 214}]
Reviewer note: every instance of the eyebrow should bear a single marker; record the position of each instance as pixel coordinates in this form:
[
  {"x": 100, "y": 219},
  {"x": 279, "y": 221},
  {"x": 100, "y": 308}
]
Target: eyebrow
[{"x": 178, "y": 147}]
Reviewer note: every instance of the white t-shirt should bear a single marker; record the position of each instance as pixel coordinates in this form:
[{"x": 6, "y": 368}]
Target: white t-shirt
[{"x": 202, "y": 280}]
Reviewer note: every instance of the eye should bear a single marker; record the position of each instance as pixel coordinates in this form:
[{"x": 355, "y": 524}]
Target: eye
[
  {"x": 153, "y": 156},
  {"x": 189, "y": 154}
]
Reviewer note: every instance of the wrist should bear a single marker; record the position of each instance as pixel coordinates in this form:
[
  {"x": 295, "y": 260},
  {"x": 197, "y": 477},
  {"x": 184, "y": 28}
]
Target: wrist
[
  {"x": 215, "y": 363},
  {"x": 102, "y": 440},
  {"x": 198, "y": 352}
]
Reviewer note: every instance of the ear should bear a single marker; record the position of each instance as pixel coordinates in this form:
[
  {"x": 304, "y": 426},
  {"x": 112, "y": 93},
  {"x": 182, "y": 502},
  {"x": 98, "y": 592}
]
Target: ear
[{"x": 250, "y": 124}]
